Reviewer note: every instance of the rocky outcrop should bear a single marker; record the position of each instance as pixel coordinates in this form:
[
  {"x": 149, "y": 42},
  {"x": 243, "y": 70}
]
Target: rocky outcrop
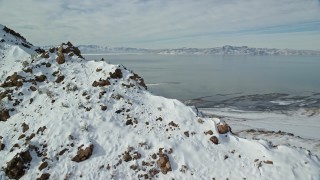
[
  {"x": 17, "y": 166},
  {"x": 223, "y": 128},
  {"x": 117, "y": 74},
  {"x": 4, "y": 115},
  {"x": 83, "y": 154},
  {"x": 139, "y": 80},
  {"x": 60, "y": 58},
  {"x": 14, "y": 80},
  {"x": 164, "y": 163},
  {"x": 101, "y": 83}
]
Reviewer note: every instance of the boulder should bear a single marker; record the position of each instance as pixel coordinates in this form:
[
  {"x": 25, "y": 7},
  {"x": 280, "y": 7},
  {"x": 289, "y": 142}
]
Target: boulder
[
  {"x": 164, "y": 163},
  {"x": 4, "y": 115},
  {"x": 83, "y": 154},
  {"x": 117, "y": 74},
  {"x": 60, "y": 58},
  {"x": 44, "y": 176},
  {"x": 16, "y": 167},
  {"x": 223, "y": 128},
  {"x": 214, "y": 140}
]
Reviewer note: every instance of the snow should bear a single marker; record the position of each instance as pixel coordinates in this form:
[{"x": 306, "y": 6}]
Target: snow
[
  {"x": 303, "y": 126},
  {"x": 135, "y": 121}
]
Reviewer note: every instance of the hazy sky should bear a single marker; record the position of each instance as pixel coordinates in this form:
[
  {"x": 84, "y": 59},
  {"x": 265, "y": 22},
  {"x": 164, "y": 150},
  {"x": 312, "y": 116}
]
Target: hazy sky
[{"x": 166, "y": 23}]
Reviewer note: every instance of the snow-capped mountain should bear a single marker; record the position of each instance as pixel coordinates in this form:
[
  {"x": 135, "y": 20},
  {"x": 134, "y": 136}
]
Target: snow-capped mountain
[
  {"x": 225, "y": 50},
  {"x": 64, "y": 117}
]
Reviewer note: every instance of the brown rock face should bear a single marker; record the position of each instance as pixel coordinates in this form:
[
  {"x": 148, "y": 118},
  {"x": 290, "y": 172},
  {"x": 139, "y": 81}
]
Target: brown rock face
[
  {"x": 186, "y": 133},
  {"x": 117, "y": 74},
  {"x": 45, "y": 55},
  {"x": 16, "y": 167},
  {"x": 4, "y": 115},
  {"x": 25, "y": 127},
  {"x": 41, "y": 78},
  {"x": 43, "y": 165},
  {"x": 223, "y": 128},
  {"x": 164, "y": 163},
  {"x": 83, "y": 154},
  {"x": 214, "y": 140},
  {"x": 126, "y": 157},
  {"x": 51, "y": 50},
  {"x": 101, "y": 83},
  {"x": 44, "y": 176},
  {"x": 13, "y": 81},
  {"x": 60, "y": 59},
  {"x": 139, "y": 79},
  {"x": 210, "y": 132},
  {"x": 2, "y": 146},
  {"x": 60, "y": 79}
]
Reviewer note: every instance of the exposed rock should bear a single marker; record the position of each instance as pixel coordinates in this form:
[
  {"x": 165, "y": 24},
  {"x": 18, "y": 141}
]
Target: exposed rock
[
  {"x": 134, "y": 167},
  {"x": 41, "y": 129},
  {"x": 27, "y": 70},
  {"x": 16, "y": 167},
  {"x": 268, "y": 162},
  {"x": 66, "y": 50},
  {"x": 10, "y": 31},
  {"x": 13, "y": 81},
  {"x": 129, "y": 122},
  {"x": 63, "y": 151},
  {"x": 164, "y": 163},
  {"x": 139, "y": 80},
  {"x": 214, "y": 140},
  {"x": 154, "y": 156},
  {"x": 44, "y": 55},
  {"x": 117, "y": 74},
  {"x": 41, "y": 78},
  {"x": 83, "y": 154},
  {"x": 25, "y": 127},
  {"x": 44, "y": 176},
  {"x": 51, "y": 50},
  {"x": 153, "y": 172},
  {"x": 101, "y": 83},
  {"x": 60, "y": 58},
  {"x": 60, "y": 79},
  {"x": 136, "y": 155},
  {"x": 126, "y": 157},
  {"x": 77, "y": 52},
  {"x": 103, "y": 108},
  {"x": 32, "y": 88},
  {"x": 173, "y": 124},
  {"x": 4, "y": 115},
  {"x": 21, "y": 136},
  {"x": 208, "y": 132},
  {"x": 32, "y": 135},
  {"x": 2, "y": 146},
  {"x": 186, "y": 133},
  {"x": 43, "y": 165},
  {"x": 223, "y": 128}
]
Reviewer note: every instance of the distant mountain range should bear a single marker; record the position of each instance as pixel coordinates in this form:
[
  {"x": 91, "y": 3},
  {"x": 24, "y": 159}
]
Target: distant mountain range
[{"x": 224, "y": 50}]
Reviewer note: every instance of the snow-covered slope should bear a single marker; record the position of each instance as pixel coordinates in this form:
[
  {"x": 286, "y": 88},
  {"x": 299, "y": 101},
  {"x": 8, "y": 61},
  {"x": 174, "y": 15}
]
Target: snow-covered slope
[
  {"x": 15, "y": 51},
  {"x": 63, "y": 117}
]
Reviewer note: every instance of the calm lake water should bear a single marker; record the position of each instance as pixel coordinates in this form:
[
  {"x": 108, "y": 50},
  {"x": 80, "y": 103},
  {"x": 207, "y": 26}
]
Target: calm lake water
[{"x": 209, "y": 80}]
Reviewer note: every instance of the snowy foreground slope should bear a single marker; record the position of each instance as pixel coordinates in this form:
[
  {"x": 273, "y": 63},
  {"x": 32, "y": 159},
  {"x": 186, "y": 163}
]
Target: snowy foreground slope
[{"x": 63, "y": 117}]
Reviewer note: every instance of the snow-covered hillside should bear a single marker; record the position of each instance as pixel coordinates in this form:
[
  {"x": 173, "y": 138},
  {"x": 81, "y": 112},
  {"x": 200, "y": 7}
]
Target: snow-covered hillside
[{"x": 64, "y": 117}]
